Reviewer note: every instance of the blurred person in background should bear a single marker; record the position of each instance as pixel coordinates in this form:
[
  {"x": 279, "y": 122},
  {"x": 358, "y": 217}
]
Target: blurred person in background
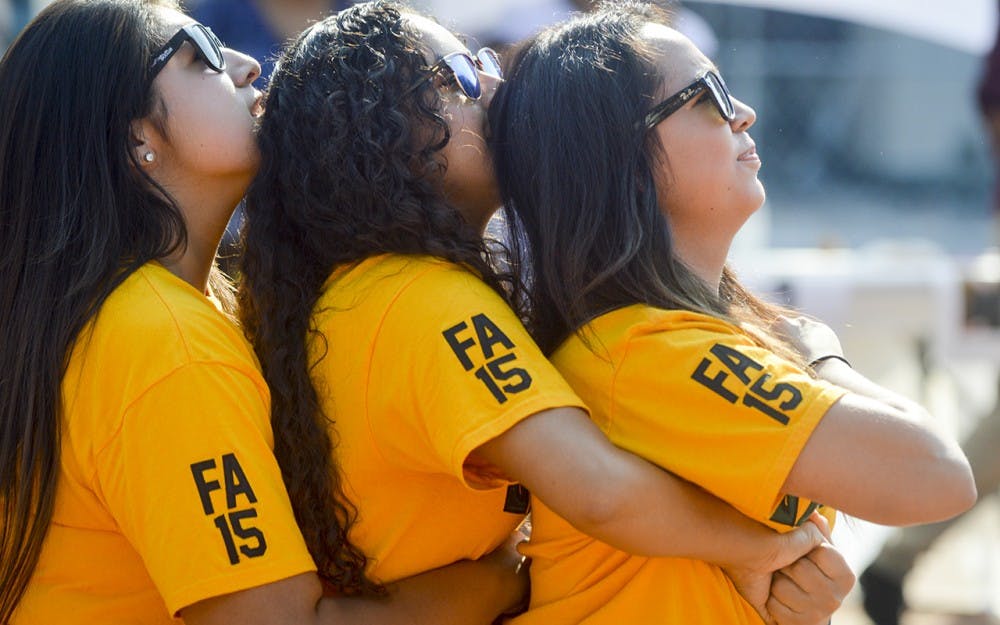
[
  {"x": 500, "y": 23},
  {"x": 6, "y": 25},
  {"x": 988, "y": 98},
  {"x": 682, "y": 19},
  {"x": 14, "y": 15},
  {"x": 497, "y": 23},
  {"x": 883, "y": 580},
  {"x": 261, "y": 27}
]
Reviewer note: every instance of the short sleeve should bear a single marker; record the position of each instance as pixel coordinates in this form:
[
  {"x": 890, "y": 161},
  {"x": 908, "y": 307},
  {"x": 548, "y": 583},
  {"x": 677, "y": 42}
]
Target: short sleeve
[
  {"x": 191, "y": 479},
  {"x": 453, "y": 367},
  {"x": 721, "y": 412}
]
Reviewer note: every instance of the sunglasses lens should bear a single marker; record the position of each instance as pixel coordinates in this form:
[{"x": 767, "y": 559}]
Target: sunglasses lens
[
  {"x": 209, "y": 46},
  {"x": 721, "y": 95},
  {"x": 465, "y": 74},
  {"x": 490, "y": 62}
]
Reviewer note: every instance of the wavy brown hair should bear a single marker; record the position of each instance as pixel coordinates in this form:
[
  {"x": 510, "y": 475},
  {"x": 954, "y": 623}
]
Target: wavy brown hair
[{"x": 351, "y": 168}]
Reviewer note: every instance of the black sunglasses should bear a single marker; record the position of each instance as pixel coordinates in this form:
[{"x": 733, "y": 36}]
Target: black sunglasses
[
  {"x": 710, "y": 82},
  {"x": 206, "y": 45},
  {"x": 466, "y": 70}
]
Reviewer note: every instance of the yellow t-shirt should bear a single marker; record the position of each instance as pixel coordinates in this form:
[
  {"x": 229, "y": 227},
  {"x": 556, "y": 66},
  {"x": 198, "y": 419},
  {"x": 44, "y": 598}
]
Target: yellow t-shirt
[
  {"x": 168, "y": 490},
  {"x": 423, "y": 363},
  {"x": 694, "y": 395}
]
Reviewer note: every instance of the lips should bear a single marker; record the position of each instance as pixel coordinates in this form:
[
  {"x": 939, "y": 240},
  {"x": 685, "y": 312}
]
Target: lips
[
  {"x": 749, "y": 154},
  {"x": 257, "y": 109}
]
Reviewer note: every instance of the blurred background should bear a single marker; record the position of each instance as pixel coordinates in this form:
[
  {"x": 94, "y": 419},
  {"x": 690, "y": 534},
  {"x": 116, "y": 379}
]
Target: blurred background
[{"x": 880, "y": 216}]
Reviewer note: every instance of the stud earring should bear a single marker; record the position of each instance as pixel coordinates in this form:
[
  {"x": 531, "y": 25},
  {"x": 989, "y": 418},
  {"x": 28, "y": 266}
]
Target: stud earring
[{"x": 149, "y": 157}]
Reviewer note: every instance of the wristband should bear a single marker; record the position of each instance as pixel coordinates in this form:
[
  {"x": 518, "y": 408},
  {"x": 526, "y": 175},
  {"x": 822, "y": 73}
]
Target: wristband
[{"x": 828, "y": 357}]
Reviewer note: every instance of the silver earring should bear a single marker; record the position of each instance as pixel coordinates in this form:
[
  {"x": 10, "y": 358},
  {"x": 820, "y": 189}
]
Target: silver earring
[{"x": 149, "y": 157}]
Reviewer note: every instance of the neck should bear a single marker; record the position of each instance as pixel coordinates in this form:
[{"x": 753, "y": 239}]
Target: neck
[
  {"x": 480, "y": 225},
  {"x": 705, "y": 261},
  {"x": 475, "y": 215},
  {"x": 205, "y": 217},
  {"x": 190, "y": 268}
]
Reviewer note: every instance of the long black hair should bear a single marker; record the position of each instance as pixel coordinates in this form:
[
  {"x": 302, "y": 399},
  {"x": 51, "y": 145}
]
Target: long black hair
[
  {"x": 576, "y": 174},
  {"x": 350, "y": 168},
  {"x": 77, "y": 216}
]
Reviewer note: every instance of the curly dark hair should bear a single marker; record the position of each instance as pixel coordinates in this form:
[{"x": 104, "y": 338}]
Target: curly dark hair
[{"x": 351, "y": 168}]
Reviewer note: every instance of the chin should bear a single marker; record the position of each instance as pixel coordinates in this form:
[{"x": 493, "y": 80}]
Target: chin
[{"x": 756, "y": 199}]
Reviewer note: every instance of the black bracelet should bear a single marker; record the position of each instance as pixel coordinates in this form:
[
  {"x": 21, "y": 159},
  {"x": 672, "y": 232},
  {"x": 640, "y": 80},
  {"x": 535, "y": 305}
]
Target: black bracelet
[{"x": 828, "y": 357}]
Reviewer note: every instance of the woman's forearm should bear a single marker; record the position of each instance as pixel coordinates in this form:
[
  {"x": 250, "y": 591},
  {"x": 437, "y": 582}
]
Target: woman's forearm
[
  {"x": 464, "y": 593},
  {"x": 881, "y": 457},
  {"x": 629, "y": 503}
]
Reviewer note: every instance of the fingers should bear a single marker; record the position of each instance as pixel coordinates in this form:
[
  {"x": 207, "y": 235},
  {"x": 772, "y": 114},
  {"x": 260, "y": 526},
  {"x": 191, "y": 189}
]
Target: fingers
[
  {"x": 796, "y": 544},
  {"x": 810, "y": 337},
  {"x": 833, "y": 565},
  {"x": 755, "y": 588},
  {"x": 509, "y": 555},
  {"x": 783, "y": 615},
  {"x": 803, "y": 587},
  {"x": 811, "y": 589},
  {"x": 822, "y": 524},
  {"x": 811, "y": 536}
]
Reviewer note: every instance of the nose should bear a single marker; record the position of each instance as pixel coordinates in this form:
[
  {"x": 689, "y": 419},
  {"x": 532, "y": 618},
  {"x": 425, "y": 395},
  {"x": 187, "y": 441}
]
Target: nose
[
  {"x": 745, "y": 116},
  {"x": 242, "y": 68}
]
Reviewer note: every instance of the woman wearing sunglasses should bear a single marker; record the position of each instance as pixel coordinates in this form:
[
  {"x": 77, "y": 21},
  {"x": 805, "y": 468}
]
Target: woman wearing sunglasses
[
  {"x": 629, "y": 168},
  {"x": 137, "y": 478},
  {"x": 386, "y": 338}
]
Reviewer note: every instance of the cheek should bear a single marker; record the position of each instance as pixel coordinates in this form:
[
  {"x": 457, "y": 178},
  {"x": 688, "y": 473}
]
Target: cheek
[
  {"x": 469, "y": 180},
  {"x": 467, "y": 154},
  {"x": 215, "y": 136},
  {"x": 701, "y": 169},
  {"x": 684, "y": 176},
  {"x": 466, "y": 124}
]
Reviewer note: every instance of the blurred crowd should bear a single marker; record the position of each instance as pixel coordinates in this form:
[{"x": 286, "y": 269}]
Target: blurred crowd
[
  {"x": 259, "y": 26},
  {"x": 489, "y": 20}
]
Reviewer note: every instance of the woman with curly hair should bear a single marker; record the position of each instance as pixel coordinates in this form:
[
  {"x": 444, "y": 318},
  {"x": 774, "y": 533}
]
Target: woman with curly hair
[
  {"x": 397, "y": 368},
  {"x": 137, "y": 478},
  {"x": 628, "y": 169}
]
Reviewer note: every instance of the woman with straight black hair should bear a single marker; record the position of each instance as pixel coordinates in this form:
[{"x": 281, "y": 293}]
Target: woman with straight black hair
[
  {"x": 137, "y": 478},
  {"x": 627, "y": 169},
  {"x": 382, "y": 326}
]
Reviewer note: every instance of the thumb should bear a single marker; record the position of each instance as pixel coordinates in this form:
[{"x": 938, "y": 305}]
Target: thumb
[
  {"x": 798, "y": 543},
  {"x": 822, "y": 524}
]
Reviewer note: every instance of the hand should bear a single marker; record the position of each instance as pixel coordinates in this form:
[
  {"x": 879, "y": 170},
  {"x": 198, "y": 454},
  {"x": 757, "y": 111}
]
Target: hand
[
  {"x": 809, "y": 591},
  {"x": 811, "y": 338},
  {"x": 515, "y": 567},
  {"x": 755, "y": 588},
  {"x": 754, "y": 583}
]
